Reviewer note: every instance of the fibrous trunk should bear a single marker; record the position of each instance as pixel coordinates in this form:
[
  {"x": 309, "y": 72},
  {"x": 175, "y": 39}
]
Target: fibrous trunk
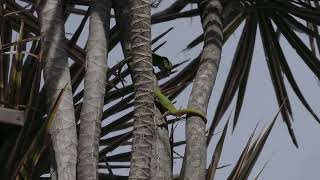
[
  {"x": 161, "y": 168},
  {"x": 161, "y": 155},
  {"x": 123, "y": 19},
  {"x": 144, "y": 79}
]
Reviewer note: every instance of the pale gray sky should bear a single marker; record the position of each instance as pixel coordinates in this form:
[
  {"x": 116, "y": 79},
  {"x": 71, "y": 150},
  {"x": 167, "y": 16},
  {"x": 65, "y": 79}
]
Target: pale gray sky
[{"x": 286, "y": 162}]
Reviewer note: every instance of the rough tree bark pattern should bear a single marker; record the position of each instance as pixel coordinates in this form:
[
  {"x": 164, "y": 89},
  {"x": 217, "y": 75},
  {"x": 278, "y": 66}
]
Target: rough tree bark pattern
[
  {"x": 195, "y": 151},
  {"x": 57, "y": 75},
  {"x": 161, "y": 155},
  {"x": 94, "y": 90},
  {"x": 144, "y": 80},
  {"x": 161, "y": 152},
  {"x": 123, "y": 19}
]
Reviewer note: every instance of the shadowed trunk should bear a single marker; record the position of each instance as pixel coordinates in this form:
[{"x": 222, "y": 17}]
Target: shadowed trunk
[
  {"x": 94, "y": 90},
  {"x": 194, "y": 165},
  {"x": 161, "y": 152},
  {"x": 144, "y": 80},
  {"x": 57, "y": 76},
  {"x": 123, "y": 16}
]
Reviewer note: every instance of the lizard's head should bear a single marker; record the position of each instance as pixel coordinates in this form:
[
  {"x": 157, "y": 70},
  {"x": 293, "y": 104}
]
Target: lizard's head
[
  {"x": 167, "y": 65},
  {"x": 162, "y": 63}
]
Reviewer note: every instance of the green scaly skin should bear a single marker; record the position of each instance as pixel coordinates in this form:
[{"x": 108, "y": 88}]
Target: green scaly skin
[
  {"x": 161, "y": 62},
  {"x": 172, "y": 110},
  {"x": 164, "y": 64}
]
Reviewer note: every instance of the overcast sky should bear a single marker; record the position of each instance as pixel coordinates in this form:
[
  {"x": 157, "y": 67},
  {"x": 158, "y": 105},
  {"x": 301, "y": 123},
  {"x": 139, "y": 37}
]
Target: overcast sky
[{"x": 286, "y": 162}]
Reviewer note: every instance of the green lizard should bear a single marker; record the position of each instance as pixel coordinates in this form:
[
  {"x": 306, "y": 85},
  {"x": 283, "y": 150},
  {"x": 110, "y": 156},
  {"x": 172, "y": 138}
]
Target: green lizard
[
  {"x": 164, "y": 64},
  {"x": 161, "y": 62},
  {"x": 172, "y": 110}
]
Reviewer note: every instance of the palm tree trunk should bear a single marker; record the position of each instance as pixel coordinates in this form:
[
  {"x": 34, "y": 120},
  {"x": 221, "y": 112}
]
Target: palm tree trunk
[
  {"x": 144, "y": 80},
  {"x": 94, "y": 90},
  {"x": 57, "y": 75},
  {"x": 161, "y": 155},
  {"x": 161, "y": 152},
  {"x": 194, "y": 167},
  {"x": 123, "y": 19}
]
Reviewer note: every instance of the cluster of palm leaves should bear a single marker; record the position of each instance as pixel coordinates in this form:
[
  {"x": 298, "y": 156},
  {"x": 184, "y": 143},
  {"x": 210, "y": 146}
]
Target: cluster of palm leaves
[{"x": 25, "y": 150}]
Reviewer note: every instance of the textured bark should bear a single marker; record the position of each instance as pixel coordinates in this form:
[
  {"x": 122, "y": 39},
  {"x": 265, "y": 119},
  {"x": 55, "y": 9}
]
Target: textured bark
[
  {"x": 123, "y": 19},
  {"x": 194, "y": 167},
  {"x": 57, "y": 75},
  {"x": 94, "y": 89},
  {"x": 144, "y": 80},
  {"x": 161, "y": 152},
  {"x": 161, "y": 158}
]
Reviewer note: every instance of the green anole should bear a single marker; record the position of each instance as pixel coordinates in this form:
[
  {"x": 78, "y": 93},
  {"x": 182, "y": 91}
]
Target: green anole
[
  {"x": 161, "y": 62},
  {"x": 172, "y": 110},
  {"x": 164, "y": 64}
]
